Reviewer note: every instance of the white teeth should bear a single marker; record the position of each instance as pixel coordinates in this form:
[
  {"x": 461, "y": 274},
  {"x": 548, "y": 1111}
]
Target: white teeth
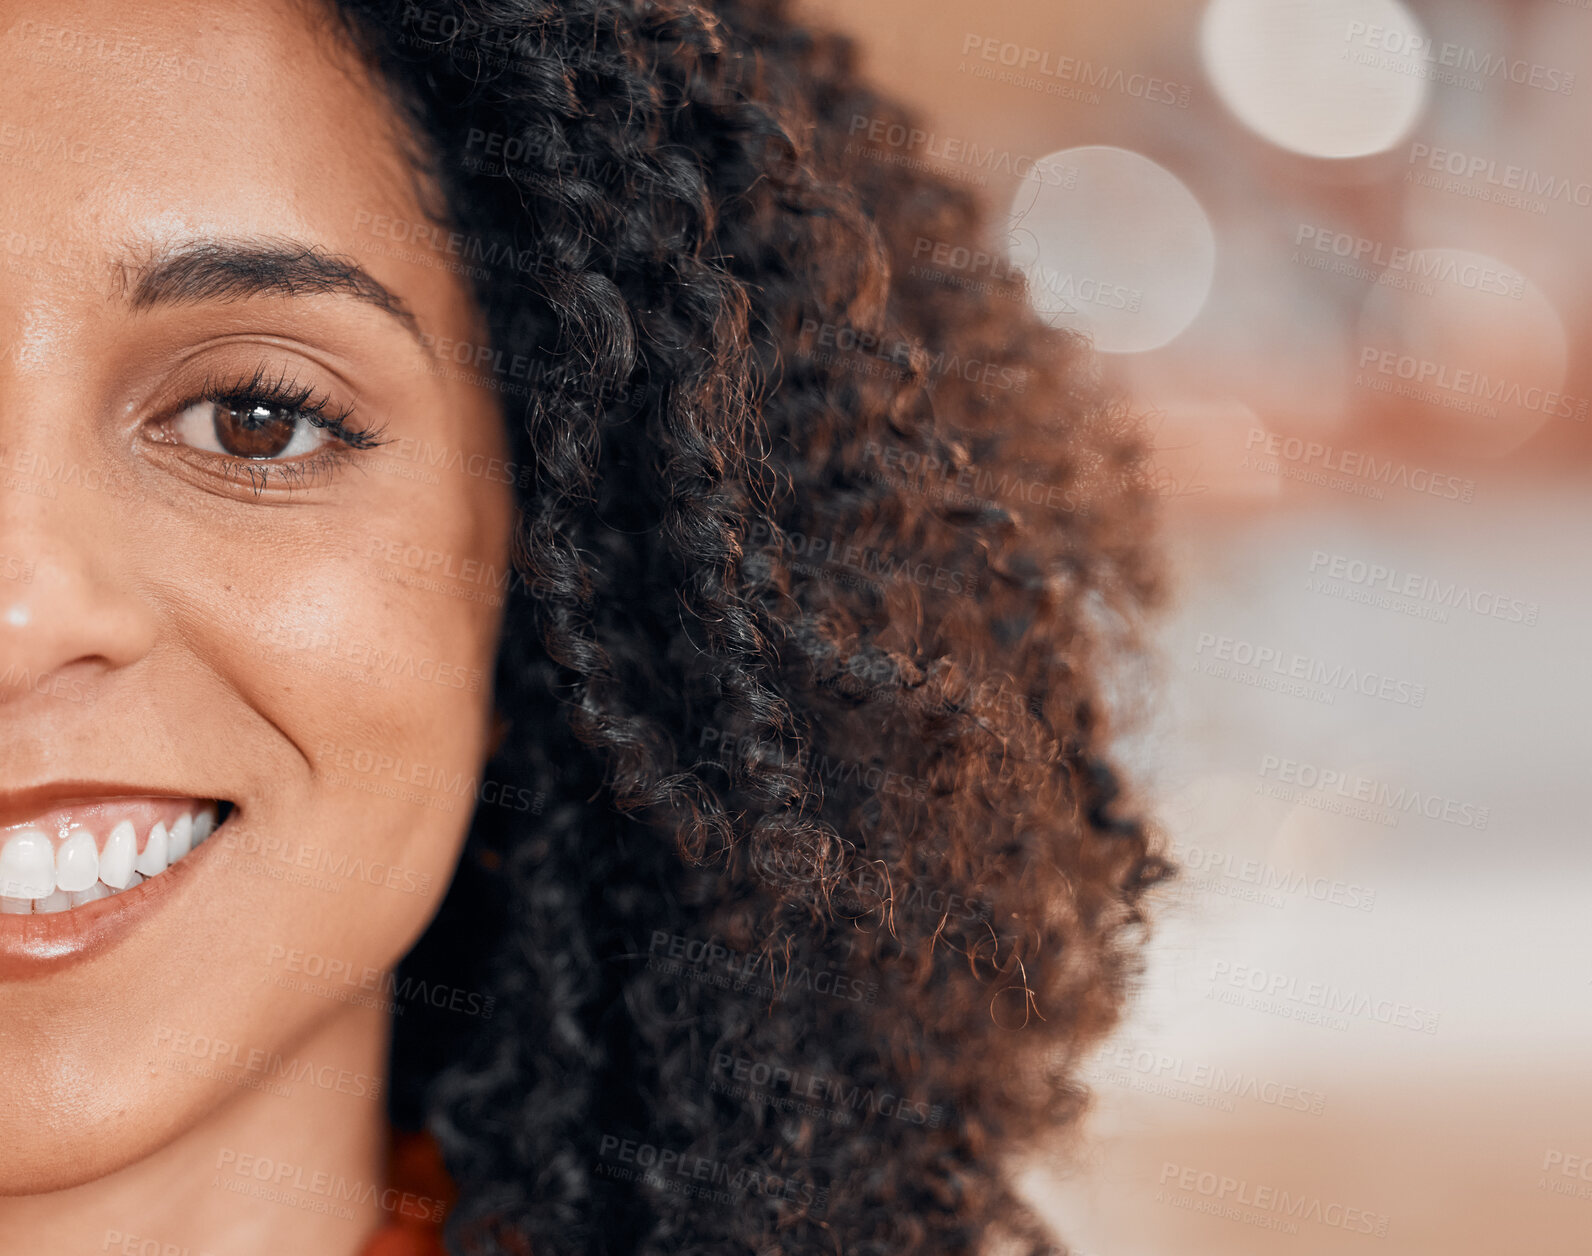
[
  {"x": 27, "y": 865},
  {"x": 152, "y": 859},
  {"x": 116, "y": 860},
  {"x": 37, "y": 876},
  {"x": 77, "y": 862},
  {"x": 93, "y": 894},
  {"x": 180, "y": 840}
]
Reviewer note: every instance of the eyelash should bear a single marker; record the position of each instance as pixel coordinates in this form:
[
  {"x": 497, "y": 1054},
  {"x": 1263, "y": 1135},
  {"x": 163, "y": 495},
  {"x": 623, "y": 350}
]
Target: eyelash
[{"x": 301, "y": 401}]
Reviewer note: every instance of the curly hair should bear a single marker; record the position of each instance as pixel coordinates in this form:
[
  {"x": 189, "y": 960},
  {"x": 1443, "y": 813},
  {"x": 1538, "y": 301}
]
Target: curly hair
[{"x": 824, "y": 564}]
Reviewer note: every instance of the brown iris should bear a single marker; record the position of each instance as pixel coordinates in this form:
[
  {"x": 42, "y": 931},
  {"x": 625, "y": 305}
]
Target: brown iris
[{"x": 254, "y": 431}]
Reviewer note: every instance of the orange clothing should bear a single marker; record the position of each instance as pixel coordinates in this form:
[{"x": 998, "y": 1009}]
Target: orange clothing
[{"x": 425, "y": 1196}]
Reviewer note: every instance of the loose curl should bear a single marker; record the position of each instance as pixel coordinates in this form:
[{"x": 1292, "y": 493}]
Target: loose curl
[{"x": 805, "y": 659}]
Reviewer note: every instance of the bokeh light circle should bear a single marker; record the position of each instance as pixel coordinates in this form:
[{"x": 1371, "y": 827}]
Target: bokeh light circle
[
  {"x": 1326, "y": 78},
  {"x": 1114, "y": 246},
  {"x": 1466, "y": 346}
]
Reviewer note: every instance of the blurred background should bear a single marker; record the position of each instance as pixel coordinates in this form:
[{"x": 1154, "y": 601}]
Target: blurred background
[{"x": 1338, "y": 252}]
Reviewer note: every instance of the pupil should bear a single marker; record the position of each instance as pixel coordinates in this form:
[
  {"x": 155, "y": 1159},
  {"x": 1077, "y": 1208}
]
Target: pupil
[{"x": 257, "y": 432}]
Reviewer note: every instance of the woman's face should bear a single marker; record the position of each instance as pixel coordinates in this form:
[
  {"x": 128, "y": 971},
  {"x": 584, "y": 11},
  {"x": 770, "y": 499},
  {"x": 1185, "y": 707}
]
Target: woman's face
[{"x": 210, "y": 238}]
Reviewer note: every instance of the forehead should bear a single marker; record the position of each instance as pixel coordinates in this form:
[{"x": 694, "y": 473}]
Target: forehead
[{"x": 127, "y": 124}]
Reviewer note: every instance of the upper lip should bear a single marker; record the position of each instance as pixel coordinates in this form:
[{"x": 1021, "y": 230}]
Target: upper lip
[{"x": 18, "y": 805}]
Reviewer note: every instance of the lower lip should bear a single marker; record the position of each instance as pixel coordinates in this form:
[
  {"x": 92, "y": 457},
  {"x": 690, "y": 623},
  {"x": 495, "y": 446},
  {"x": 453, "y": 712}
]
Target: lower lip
[{"x": 38, "y": 945}]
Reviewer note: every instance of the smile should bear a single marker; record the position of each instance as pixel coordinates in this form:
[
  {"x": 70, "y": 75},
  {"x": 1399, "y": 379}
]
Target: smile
[{"x": 76, "y": 854}]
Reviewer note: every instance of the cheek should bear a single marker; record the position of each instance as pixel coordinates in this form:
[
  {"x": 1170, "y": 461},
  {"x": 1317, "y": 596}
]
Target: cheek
[
  {"x": 385, "y": 696},
  {"x": 358, "y": 655},
  {"x": 370, "y": 650}
]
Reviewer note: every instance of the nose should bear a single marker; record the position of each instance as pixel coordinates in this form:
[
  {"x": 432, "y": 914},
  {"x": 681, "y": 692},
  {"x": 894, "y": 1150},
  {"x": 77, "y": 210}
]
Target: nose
[{"x": 68, "y": 616}]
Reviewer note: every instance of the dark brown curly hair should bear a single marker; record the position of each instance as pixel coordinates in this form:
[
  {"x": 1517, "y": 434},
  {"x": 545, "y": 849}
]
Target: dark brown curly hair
[{"x": 824, "y": 562}]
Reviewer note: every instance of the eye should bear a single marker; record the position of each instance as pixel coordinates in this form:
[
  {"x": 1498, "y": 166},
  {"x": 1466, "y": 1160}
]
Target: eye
[
  {"x": 264, "y": 430},
  {"x": 248, "y": 429}
]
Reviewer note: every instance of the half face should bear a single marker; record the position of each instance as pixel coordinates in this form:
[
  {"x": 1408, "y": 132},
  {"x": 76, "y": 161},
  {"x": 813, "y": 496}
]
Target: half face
[{"x": 254, "y": 531}]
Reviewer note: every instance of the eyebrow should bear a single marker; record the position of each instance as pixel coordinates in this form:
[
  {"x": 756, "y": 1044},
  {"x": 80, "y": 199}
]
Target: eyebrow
[{"x": 235, "y": 270}]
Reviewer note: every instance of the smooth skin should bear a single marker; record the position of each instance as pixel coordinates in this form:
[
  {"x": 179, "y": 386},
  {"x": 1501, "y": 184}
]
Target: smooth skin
[{"x": 172, "y": 624}]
